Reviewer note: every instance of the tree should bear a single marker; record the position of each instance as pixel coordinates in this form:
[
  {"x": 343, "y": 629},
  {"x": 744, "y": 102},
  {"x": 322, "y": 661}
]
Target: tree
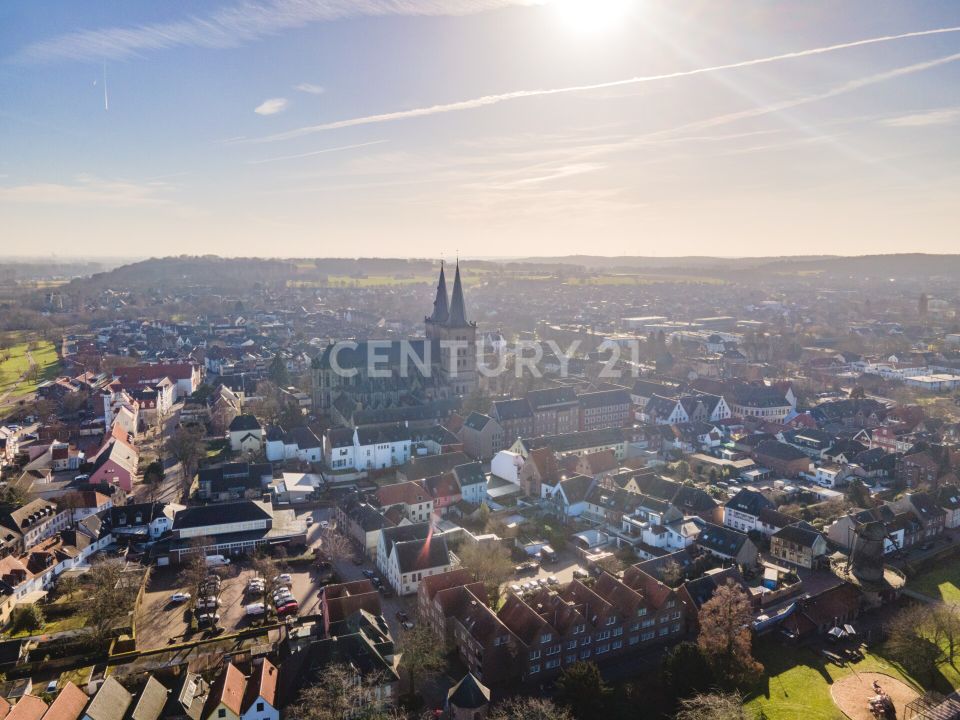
[
  {"x": 27, "y": 618},
  {"x": 335, "y": 546},
  {"x": 915, "y": 639},
  {"x": 421, "y": 653},
  {"x": 682, "y": 470},
  {"x": 153, "y": 477},
  {"x": 339, "y": 694},
  {"x": 858, "y": 393},
  {"x": 725, "y": 635},
  {"x": 277, "y": 372},
  {"x": 110, "y": 595},
  {"x": 858, "y": 494},
  {"x": 267, "y": 406},
  {"x": 529, "y": 708},
  {"x": 945, "y": 626},
  {"x": 685, "y": 670},
  {"x": 489, "y": 563},
  {"x": 581, "y": 688},
  {"x": 267, "y": 568},
  {"x": 187, "y": 447},
  {"x": 713, "y": 706},
  {"x": 671, "y": 573}
]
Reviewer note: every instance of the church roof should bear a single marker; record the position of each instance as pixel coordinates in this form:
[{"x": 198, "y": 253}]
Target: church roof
[
  {"x": 458, "y": 311},
  {"x": 441, "y": 313}
]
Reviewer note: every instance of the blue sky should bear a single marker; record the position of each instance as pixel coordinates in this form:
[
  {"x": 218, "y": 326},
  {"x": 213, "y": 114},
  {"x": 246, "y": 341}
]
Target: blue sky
[{"x": 420, "y": 127}]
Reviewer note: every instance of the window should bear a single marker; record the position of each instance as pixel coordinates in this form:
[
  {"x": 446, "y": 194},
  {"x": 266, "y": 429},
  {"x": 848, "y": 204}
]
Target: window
[
  {"x": 260, "y": 707},
  {"x": 571, "y": 644},
  {"x": 664, "y": 631},
  {"x": 617, "y": 632},
  {"x": 634, "y": 627},
  {"x": 612, "y": 620},
  {"x": 584, "y": 654},
  {"x": 601, "y": 649},
  {"x": 585, "y": 641},
  {"x": 617, "y": 644},
  {"x": 641, "y": 612},
  {"x": 676, "y": 615},
  {"x": 634, "y": 639},
  {"x": 547, "y": 637},
  {"x": 221, "y": 713},
  {"x": 553, "y": 664},
  {"x": 603, "y": 635},
  {"x": 534, "y": 669},
  {"x": 579, "y": 629},
  {"x": 535, "y": 655},
  {"x": 647, "y": 636},
  {"x": 570, "y": 659}
]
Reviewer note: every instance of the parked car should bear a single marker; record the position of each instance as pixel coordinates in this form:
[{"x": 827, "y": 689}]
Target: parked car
[
  {"x": 516, "y": 589},
  {"x": 254, "y": 609},
  {"x": 217, "y": 560},
  {"x": 283, "y": 579},
  {"x": 309, "y": 520},
  {"x": 210, "y": 603},
  {"x": 52, "y": 686},
  {"x": 580, "y": 573},
  {"x": 526, "y": 568},
  {"x": 180, "y": 597},
  {"x": 553, "y": 580},
  {"x": 205, "y": 619},
  {"x": 367, "y": 573},
  {"x": 290, "y": 608}
]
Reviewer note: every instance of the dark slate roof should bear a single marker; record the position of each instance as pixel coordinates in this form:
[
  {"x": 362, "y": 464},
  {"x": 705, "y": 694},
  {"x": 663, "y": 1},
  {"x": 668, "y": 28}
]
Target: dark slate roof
[
  {"x": 470, "y": 474},
  {"x": 304, "y": 438},
  {"x": 552, "y": 397},
  {"x": 244, "y": 511},
  {"x": 512, "y": 409},
  {"x": 340, "y": 437},
  {"x": 722, "y": 540},
  {"x": 244, "y": 422},
  {"x": 568, "y": 442},
  {"x": 750, "y": 502},
  {"x": 780, "y": 451},
  {"x": 414, "y": 555},
  {"x": 576, "y": 488},
  {"x": 430, "y": 465},
  {"x": 477, "y": 421},
  {"x": 604, "y": 398},
  {"x": 374, "y": 434},
  {"x": 469, "y": 694},
  {"x": 458, "y": 310},
  {"x": 804, "y": 536},
  {"x": 388, "y": 354}
]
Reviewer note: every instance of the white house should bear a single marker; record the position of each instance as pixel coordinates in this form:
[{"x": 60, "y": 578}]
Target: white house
[
  {"x": 473, "y": 482},
  {"x": 506, "y": 465},
  {"x": 381, "y": 446},
  {"x": 260, "y": 696},
  {"x": 408, "y": 553},
  {"x": 246, "y": 435}
]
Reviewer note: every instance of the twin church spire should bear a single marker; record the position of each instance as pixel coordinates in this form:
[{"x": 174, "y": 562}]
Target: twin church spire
[{"x": 454, "y": 313}]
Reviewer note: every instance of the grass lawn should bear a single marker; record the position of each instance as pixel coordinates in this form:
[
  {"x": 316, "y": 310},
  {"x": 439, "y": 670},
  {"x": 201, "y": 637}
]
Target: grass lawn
[
  {"x": 797, "y": 681},
  {"x": 72, "y": 622},
  {"x": 940, "y": 583},
  {"x": 17, "y": 363}
]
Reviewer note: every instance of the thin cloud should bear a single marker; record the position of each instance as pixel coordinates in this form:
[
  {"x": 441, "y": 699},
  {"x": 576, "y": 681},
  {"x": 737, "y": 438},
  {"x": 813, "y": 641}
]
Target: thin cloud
[
  {"x": 944, "y": 116},
  {"x": 271, "y": 106},
  {"x": 488, "y": 100},
  {"x": 88, "y": 191},
  {"x": 315, "y": 152},
  {"x": 235, "y": 25},
  {"x": 310, "y": 88}
]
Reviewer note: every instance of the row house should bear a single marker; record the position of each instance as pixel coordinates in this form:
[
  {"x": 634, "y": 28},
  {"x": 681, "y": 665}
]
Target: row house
[
  {"x": 555, "y": 410},
  {"x": 604, "y": 408},
  {"x": 367, "y": 447},
  {"x": 534, "y": 639},
  {"x": 515, "y": 417},
  {"x": 441, "y": 598},
  {"x": 362, "y": 523},
  {"x": 299, "y": 443},
  {"x": 728, "y": 544},
  {"x": 750, "y": 510},
  {"x": 412, "y": 499},
  {"x": 670, "y": 410},
  {"x": 34, "y": 522},
  {"x": 688, "y": 499}
]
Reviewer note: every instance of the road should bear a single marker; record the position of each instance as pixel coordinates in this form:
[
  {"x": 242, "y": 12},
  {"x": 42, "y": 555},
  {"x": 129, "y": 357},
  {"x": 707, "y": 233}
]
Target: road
[
  {"x": 170, "y": 489},
  {"x": 306, "y": 586}
]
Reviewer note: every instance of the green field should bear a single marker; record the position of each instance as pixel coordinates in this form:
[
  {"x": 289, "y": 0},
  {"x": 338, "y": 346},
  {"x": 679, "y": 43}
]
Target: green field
[
  {"x": 797, "y": 681},
  {"x": 941, "y": 582},
  {"x": 17, "y": 363}
]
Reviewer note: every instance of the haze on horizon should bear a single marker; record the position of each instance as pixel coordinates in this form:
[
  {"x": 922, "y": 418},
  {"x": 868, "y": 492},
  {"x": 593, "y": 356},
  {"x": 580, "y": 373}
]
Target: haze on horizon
[{"x": 496, "y": 128}]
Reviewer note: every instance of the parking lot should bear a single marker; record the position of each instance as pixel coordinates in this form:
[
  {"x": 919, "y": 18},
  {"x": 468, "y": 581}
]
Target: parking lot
[{"x": 159, "y": 619}]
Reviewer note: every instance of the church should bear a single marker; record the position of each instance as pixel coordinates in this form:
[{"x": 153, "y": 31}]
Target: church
[{"x": 411, "y": 372}]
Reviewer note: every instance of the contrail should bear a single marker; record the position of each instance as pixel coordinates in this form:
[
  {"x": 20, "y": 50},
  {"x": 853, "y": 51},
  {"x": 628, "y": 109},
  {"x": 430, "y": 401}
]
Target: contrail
[
  {"x": 518, "y": 94},
  {"x": 106, "y": 99},
  {"x": 316, "y": 152}
]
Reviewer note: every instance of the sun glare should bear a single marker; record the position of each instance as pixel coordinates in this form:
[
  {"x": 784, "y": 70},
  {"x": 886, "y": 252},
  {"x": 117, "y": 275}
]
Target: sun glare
[{"x": 593, "y": 16}]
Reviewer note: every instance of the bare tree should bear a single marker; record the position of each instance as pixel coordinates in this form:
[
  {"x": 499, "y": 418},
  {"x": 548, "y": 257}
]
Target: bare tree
[
  {"x": 529, "y": 708},
  {"x": 420, "y": 653},
  {"x": 187, "y": 447},
  {"x": 340, "y": 694},
  {"x": 725, "y": 634},
  {"x": 712, "y": 706},
  {"x": 490, "y": 563}
]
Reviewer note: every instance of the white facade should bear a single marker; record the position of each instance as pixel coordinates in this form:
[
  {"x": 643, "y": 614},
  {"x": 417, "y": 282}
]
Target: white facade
[{"x": 506, "y": 465}]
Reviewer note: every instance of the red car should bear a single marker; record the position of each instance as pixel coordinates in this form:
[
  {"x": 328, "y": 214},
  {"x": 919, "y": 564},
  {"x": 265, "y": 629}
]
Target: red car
[{"x": 291, "y": 608}]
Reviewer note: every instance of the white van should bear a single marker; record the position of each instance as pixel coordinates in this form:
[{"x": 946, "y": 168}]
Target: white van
[
  {"x": 255, "y": 609},
  {"x": 215, "y": 560}
]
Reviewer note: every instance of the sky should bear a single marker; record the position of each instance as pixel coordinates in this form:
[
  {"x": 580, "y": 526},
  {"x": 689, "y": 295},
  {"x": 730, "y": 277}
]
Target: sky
[{"x": 484, "y": 128}]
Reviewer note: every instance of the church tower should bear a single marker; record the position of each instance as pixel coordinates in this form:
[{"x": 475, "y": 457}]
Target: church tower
[{"x": 458, "y": 366}]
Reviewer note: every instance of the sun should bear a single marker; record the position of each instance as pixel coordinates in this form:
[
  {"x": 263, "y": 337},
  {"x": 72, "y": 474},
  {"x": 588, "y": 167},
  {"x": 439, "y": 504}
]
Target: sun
[{"x": 593, "y": 16}]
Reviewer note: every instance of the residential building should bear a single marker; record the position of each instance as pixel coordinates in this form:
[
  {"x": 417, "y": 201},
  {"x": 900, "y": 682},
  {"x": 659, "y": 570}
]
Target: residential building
[
  {"x": 414, "y": 501},
  {"x": 408, "y": 553},
  {"x": 482, "y": 436},
  {"x": 246, "y": 434},
  {"x": 603, "y": 409},
  {"x": 799, "y": 544}
]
